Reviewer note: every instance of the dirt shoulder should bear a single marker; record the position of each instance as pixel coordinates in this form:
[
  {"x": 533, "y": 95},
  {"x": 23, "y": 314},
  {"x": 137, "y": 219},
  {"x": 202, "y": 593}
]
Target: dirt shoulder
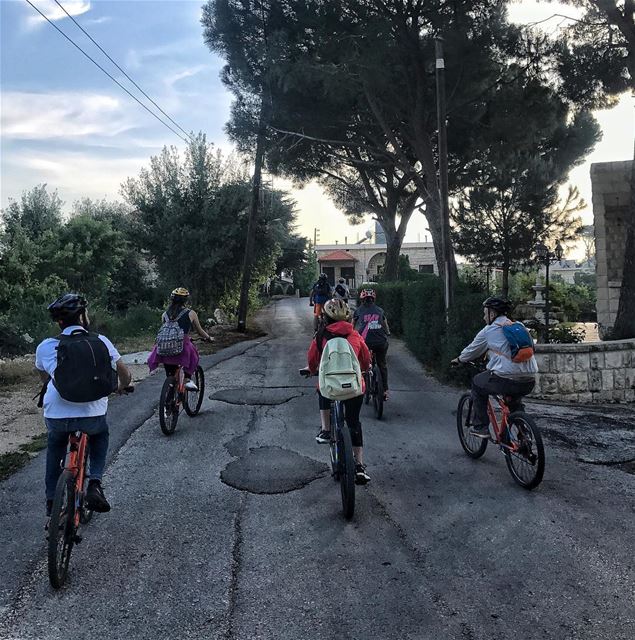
[{"x": 21, "y": 423}]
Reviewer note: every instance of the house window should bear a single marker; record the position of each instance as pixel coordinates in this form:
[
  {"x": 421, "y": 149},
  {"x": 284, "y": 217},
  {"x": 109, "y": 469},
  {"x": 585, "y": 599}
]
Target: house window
[{"x": 426, "y": 268}]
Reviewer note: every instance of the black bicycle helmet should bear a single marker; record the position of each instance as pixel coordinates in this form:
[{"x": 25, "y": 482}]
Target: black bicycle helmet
[
  {"x": 67, "y": 306},
  {"x": 498, "y": 304},
  {"x": 323, "y": 276}
]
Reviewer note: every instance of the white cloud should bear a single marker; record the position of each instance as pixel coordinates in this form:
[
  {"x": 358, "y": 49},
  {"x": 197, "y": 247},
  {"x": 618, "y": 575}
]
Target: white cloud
[
  {"x": 93, "y": 21},
  {"x": 40, "y": 116},
  {"x": 74, "y": 174},
  {"x": 175, "y": 77},
  {"x": 53, "y": 12}
]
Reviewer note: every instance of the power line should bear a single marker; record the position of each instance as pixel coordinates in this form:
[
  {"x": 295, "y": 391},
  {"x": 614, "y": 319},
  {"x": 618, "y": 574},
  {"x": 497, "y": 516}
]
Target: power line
[
  {"x": 154, "y": 115},
  {"x": 120, "y": 69}
]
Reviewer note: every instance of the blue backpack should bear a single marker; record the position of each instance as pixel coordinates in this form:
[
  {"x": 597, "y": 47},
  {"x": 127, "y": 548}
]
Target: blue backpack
[{"x": 519, "y": 340}]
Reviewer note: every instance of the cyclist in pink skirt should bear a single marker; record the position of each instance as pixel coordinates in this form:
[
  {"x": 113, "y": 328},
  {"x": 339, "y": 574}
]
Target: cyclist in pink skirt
[{"x": 188, "y": 358}]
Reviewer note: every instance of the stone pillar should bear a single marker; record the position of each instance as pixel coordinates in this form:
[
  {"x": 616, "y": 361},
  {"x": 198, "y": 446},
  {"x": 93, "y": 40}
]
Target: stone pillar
[{"x": 611, "y": 202}]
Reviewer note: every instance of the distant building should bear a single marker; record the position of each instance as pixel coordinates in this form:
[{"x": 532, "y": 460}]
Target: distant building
[
  {"x": 567, "y": 270},
  {"x": 358, "y": 263}
]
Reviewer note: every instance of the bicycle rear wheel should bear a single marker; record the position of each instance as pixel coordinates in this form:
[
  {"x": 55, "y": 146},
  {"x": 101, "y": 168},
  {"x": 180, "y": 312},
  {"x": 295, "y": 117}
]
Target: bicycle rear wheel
[
  {"x": 194, "y": 399},
  {"x": 346, "y": 466},
  {"x": 368, "y": 381},
  {"x": 61, "y": 533},
  {"x": 168, "y": 407},
  {"x": 526, "y": 459},
  {"x": 472, "y": 445},
  {"x": 378, "y": 393}
]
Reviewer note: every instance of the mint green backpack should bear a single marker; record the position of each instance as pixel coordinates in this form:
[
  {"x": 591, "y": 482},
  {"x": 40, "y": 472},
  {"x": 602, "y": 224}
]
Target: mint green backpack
[{"x": 340, "y": 375}]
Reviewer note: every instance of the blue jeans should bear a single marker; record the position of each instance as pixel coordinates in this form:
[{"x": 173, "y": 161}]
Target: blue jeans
[{"x": 58, "y": 430}]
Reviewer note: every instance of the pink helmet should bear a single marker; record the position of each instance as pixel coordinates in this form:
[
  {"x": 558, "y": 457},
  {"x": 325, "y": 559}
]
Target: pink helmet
[{"x": 368, "y": 293}]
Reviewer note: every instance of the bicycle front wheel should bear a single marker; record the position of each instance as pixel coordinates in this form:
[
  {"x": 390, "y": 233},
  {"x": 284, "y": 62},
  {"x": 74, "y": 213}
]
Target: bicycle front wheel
[
  {"x": 472, "y": 445},
  {"x": 168, "y": 406},
  {"x": 378, "y": 393},
  {"x": 346, "y": 469},
  {"x": 61, "y": 533},
  {"x": 525, "y": 452},
  {"x": 194, "y": 399}
]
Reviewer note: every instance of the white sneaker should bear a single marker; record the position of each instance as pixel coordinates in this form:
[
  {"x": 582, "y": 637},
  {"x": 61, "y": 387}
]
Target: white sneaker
[{"x": 190, "y": 386}]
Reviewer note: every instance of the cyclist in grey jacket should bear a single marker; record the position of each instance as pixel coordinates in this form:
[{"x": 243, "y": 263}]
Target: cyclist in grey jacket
[{"x": 503, "y": 376}]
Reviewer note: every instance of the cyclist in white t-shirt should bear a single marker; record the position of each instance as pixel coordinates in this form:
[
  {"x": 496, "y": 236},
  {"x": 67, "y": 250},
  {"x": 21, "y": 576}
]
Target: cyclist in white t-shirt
[{"x": 63, "y": 417}]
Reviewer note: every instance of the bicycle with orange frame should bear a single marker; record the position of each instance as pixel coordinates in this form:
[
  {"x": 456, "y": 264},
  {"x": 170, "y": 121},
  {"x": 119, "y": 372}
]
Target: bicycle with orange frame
[
  {"x": 175, "y": 396},
  {"x": 513, "y": 430},
  {"x": 69, "y": 509}
]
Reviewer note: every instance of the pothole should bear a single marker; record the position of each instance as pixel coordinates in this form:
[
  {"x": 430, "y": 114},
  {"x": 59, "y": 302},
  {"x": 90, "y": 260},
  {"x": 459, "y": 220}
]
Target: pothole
[
  {"x": 267, "y": 470},
  {"x": 256, "y": 396}
]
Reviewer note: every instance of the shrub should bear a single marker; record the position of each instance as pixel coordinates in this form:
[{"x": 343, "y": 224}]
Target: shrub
[
  {"x": 137, "y": 320},
  {"x": 416, "y": 311},
  {"x": 566, "y": 334}
]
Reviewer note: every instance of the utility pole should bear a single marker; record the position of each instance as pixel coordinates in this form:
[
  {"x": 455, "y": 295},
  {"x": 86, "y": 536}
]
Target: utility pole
[
  {"x": 316, "y": 237},
  {"x": 253, "y": 220},
  {"x": 443, "y": 173}
]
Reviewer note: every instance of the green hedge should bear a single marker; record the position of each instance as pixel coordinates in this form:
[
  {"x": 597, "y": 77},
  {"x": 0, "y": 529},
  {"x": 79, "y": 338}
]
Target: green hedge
[{"x": 416, "y": 312}]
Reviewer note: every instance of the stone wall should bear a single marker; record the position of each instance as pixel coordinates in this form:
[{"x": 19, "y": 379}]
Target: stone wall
[
  {"x": 586, "y": 372},
  {"x": 611, "y": 200}
]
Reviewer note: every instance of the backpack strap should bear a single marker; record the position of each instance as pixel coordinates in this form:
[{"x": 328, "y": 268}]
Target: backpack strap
[{"x": 320, "y": 337}]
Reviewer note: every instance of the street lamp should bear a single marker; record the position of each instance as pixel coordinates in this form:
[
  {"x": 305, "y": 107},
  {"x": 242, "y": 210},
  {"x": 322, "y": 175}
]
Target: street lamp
[{"x": 545, "y": 255}]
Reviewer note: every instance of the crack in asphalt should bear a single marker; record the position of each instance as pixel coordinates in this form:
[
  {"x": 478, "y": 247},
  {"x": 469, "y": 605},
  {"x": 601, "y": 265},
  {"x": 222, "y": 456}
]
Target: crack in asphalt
[
  {"x": 236, "y": 566},
  {"x": 440, "y": 603}
]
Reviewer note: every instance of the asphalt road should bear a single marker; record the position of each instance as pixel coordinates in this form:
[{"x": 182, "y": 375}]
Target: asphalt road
[{"x": 231, "y": 528}]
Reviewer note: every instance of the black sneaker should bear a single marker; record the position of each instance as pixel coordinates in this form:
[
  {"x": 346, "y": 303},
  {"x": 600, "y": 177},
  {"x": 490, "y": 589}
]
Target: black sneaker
[
  {"x": 95, "y": 498},
  {"x": 361, "y": 477},
  {"x": 324, "y": 437},
  {"x": 479, "y": 430}
]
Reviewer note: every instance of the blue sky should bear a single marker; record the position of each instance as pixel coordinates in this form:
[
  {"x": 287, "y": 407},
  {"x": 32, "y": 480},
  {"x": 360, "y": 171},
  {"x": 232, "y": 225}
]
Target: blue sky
[{"x": 65, "y": 123}]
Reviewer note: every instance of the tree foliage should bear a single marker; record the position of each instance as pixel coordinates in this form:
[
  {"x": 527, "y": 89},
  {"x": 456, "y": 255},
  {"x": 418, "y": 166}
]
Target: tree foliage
[
  {"x": 514, "y": 197},
  {"x": 191, "y": 217},
  {"x": 337, "y": 113},
  {"x": 597, "y": 65}
]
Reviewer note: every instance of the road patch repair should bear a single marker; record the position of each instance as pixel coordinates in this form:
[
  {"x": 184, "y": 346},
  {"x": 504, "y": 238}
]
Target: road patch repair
[
  {"x": 269, "y": 470},
  {"x": 257, "y": 397}
]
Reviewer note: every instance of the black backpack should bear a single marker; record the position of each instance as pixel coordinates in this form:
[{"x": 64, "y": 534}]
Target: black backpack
[
  {"x": 341, "y": 290},
  {"x": 322, "y": 288},
  {"x": 84, "y": 371}
]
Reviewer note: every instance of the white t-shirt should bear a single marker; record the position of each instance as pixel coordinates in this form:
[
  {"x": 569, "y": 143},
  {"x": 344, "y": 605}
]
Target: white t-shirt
[{"x": 54, "y": 405}]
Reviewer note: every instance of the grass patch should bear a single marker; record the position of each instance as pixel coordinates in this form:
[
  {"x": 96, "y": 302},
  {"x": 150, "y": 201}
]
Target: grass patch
[
  {"x": 37, "y": 444},
  {"x": 13, "y": 372},
  {"x": 132, "y": 344},
  {"x": 14, "y": 461}
]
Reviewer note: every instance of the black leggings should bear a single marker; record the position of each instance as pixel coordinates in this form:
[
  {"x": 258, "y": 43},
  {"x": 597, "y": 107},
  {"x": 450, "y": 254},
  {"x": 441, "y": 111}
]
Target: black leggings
[
  {"x": 380, "y": 356},
  {"x": 352, "y": 410}
]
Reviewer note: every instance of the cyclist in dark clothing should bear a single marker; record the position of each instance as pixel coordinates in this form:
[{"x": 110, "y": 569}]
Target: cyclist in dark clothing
[
  {"x": 370, "y": 321},
  {"x": 320, "y": 292}
]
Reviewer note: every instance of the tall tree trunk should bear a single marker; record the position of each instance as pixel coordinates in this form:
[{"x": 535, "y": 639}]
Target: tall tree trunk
[
  {"x": 393, "y": 250},
  {"x": 505, "y": 283},
  {"x": 433, "y": 217},
  {"x": 624, "y": 326}
]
